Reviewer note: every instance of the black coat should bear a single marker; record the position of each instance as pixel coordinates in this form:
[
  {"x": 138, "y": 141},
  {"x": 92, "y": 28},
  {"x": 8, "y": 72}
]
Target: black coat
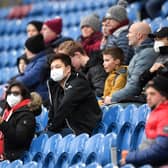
[
  {"x": 95, "y": 74},
  {"x": 163, "y": 59},
  {"x": 75, "y": 106},
  {"x": 18, "y": 132}
]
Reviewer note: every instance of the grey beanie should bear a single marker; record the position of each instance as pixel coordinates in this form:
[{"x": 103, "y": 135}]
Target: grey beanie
[
  {"x": 92, "y": 21},
  {"x": 117, "y": 12}
]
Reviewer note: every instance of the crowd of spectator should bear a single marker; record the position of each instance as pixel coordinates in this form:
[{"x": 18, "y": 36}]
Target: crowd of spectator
[{"x": 112, "y": 61}]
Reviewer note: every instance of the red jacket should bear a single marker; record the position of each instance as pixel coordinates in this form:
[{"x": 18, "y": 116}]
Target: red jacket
[
  {"x": 157, "y": 123},
  {"x": 91, "y": 43}
]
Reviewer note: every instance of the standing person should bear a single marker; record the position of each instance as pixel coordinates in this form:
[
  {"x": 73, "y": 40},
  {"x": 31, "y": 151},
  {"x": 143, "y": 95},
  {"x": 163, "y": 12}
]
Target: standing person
[
  {"x": 74, "y": 107},
  {"x": 117, "y": 72},
  {"x": 33, "y": 28},
  {"x": 155, "y": 152},
  {"x": 91, "y": 67},
  {"x": 17, "y": 125},
  {"x": 117, "y": 24},
  {"x": 142, "y": 60},
  {"x": 34, "y": 77},
  {"x": 90, "y": 33}
]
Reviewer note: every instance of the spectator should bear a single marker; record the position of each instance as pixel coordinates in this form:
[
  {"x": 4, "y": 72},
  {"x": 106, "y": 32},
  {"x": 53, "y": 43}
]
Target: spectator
[
  {"x": 116, "y": 21},
  {"x": 73, "y": 104},
  {"x": 51, "y": 32},
  {"x": 17, "y": 125},
  {"x": 22, "y": 63},
  {"x": 155, "y": 148},
  {"x": 33, "y": 76},
  {"x": 116, "y": 80},
  {"x": 34, "y": 28},
  {"x": 161, "y": 63},
  {"x": 91, "y": 67},
  {"x": 91, "y": 35},
  {"x": 141, "y": 61}
]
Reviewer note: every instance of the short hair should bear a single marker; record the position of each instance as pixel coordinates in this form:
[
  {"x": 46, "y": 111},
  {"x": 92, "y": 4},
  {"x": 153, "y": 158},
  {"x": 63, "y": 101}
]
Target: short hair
[
  {"x": 24, "y": 90},
  {"x": 115, "y": 53},
  {"x": 70, "y": 47},
  {"x": 63, "y": 57}
]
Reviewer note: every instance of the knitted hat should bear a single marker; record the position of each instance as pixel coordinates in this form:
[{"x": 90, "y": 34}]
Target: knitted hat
[
  {"x": 35, "y": 44},
  {"x": 92, "y": 21},
  {"x": 160, "y": 83},
  {"x": 117, "y": 12},
  {"x": 55, "y": 25},
  {"x": 37, "y": 24},
  {"x": 163, "y": 32}
]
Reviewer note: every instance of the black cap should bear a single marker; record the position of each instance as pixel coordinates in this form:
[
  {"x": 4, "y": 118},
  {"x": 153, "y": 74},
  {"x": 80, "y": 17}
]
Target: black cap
[
  {"x": 35, "y": 44},
  {"x": 160, "y": 83},
  {"x": 163, "y": 32}
]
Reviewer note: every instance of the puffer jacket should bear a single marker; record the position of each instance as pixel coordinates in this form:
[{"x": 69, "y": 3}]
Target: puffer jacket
[{"x": 156, "y": 129}]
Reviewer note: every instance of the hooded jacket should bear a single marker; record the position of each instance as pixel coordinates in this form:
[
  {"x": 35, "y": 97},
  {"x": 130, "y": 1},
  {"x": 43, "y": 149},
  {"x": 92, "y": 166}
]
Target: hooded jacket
[{"x": 75, "y": 106}]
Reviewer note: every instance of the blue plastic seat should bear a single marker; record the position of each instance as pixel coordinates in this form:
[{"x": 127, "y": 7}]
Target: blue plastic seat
[
  {"x": 76, "y": 148},
  {"x": 4, "y": 60},
  {"x": 4, "y": 163},
  {"x": 94, "y": 149},
  {"x": 94, "y": 165},
  {"x": 15, "y": 164},
  {"x": 110, "y": 140},
  {"x": 78, "y": 165},
  {"x": 128, "y": 166},
  {"x": 109, "y": 165},
  {"x": 37, "y": 145},
  {"x": 164, "y": 9},
  {"x": 31, "y": 164}
]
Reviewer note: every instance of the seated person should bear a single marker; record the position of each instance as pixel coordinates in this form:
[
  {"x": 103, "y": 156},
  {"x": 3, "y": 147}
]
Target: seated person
[
  {"x": 113, "y": 59},
  {"x": 73, "y": 104},
  {"x": 17, "y": 124},
  {"x": 154, "y": 150}
]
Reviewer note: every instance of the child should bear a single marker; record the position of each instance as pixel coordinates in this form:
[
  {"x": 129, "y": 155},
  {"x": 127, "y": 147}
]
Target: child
[{"x": 117, "y": 73}]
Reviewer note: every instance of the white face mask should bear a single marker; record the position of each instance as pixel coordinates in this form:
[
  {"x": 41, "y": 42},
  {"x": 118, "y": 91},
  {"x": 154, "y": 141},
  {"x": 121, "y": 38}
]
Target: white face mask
[
  {"x": 158, "y": 44},
  {"x": 12, "y": 100},
  {"x": 57, "y": 74}
]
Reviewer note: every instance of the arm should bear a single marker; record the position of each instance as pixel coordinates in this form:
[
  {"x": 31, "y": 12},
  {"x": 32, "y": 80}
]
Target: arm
[{"x": 25, "y": 127}]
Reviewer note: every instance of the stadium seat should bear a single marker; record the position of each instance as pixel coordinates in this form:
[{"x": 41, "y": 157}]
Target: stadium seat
[
  {"x": 15, "y": 164},
  {"x": 76, "y": 148},
  {"x": 110, "y": 165},
  {"x": 94, "y": 165},
  {"x": 31, "y": 164},
  {"x": 164, "y": 9},
  {"x": 94, "y": 149},
  {"x": 37, "y": 145},
  {"x": 128, "y": 166},
  {"x": 4, "y": 60},
  {"x": 4, "y": 163},
  {"x": 78, "y": 165}
]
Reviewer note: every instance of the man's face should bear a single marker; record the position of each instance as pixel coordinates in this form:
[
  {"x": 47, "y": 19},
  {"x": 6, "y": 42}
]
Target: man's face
[
  {"x": 76, "y": 61},
  {"x": 109, "y": 63},
  {"x": 87, "y": 31},
  {"x": 153, "y": 97},
  {"x": 132, "y": 36},
  {"x": 105, "y": 29},
  {"x": 58, "y": 64},
  {"x": 48, "y": 34}
]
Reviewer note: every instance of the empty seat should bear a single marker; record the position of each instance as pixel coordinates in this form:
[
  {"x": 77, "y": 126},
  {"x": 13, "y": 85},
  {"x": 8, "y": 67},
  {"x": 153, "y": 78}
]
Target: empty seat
[
  {"x": 94, "y": 165},
  {"x": 15, "y": 164},
  {"x": 164, "y": 9},
  {"x": 31, "y": 164}
]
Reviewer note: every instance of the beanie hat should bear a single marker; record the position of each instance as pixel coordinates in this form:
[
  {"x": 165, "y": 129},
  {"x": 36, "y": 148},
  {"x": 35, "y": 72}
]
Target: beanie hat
[
  {"x": 160, "y": 83},
  {"x": 117, "y": 12},
  {"x": 92, "y": 21},
  {"x": 55, "y": 25},
  {"x": 35, "y": 44},
  {"x": 37, "y": 24}
]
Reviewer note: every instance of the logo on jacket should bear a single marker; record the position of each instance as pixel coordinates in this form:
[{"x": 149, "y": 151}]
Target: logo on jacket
[{"x": 68, "y": 87}]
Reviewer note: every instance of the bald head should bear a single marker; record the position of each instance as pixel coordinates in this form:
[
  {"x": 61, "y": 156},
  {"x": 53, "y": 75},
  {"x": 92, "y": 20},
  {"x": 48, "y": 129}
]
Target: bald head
[{"x": 138, "y": 32}]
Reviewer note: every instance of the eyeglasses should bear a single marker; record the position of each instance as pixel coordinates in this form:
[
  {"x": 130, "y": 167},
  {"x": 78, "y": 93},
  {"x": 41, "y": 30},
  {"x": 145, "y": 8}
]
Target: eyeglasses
[{"x": 15, "y": 93}]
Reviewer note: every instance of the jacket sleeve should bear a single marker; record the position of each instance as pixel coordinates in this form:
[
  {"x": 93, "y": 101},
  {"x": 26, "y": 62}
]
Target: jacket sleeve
[
  {"x": 140, "y": 63},
  {"x": 155, "y": 154},
  {"x": 33, "y": 76},
  {"x": 97, "y": 78},
  {"x": 25, "y": 128},
  {"x": 73, "y": 96}
]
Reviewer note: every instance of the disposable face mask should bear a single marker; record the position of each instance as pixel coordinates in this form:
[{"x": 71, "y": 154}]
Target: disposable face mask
[
  {"x": 12, "y": 100},
  {"x": 57, "y": 74},
  {"x": 157, "y": 45}
]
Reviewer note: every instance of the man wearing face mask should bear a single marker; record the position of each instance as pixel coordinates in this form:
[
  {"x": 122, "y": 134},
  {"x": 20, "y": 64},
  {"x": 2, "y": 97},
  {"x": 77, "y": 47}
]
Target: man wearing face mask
[
  {"x": 160, "y": 66},
  {"x": 74, "y": 108}
]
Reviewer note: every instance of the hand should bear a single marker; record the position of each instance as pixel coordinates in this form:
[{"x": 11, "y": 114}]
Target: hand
[
  {"x": 122, "y": 162},
  {"x": 1, "y": 120},
  {"x": 107, "y": 100},
  {"x": 155, "y": 67}
]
